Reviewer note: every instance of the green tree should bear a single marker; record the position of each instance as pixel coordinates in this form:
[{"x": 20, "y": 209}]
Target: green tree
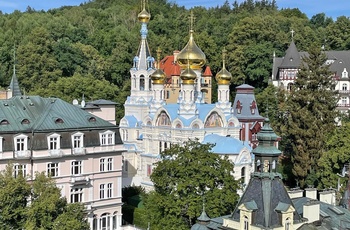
[
  {"x": 337, "y": 155},
  {"x": 187, "y": 174},
  {"x": 14, "y": 192},
  {"x": 310, "y": 116}
]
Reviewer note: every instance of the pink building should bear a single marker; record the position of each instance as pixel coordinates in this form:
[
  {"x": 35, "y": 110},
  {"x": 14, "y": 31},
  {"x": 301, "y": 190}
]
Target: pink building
[{"x": 81, "y": 151}]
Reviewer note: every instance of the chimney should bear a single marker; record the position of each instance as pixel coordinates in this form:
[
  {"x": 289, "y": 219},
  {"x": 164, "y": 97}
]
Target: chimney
[
  {"x": 175, "y": 53},
  {"x": 328, "y": 196},
  {"x": 311, "y": 211},
  {"x": 311, "y": 193},
  {"x": 295, "y": 193}
]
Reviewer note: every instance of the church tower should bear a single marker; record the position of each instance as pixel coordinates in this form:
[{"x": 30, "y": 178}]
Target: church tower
[
  {"x": 223, "y": 78},
  {"x": 138, "y": 102},
  {"x": 158, "y": 79}
]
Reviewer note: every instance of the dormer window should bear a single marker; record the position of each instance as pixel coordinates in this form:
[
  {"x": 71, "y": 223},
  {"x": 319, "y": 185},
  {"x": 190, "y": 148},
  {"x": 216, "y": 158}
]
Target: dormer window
[
  {"x": 59, "y": 121},
  {"x": 54, "y": 144},
  {"x": 92, "y": 119},
  {"x": 78, "y": 143},
  {"x": 239, "y": 107},
  {"x": 345, "y": 73},
  {"x": 107, "y": 138},
  {"x": 253, "y": 107},
  {"x": 21, "y": 145},
  {"x": 25, "y": 122},
  {"x": 4, "y": 122}
]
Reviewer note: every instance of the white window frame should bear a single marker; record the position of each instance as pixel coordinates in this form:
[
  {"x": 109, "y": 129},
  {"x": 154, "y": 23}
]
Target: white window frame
[
  {"x": 52, "y": 169},
  {"x": 109, "y": 190},
  {"x": 76, "y": 165},
  {"x": 76, "y": 195},
  {"x": 56, "y": 139},
  {"x": 17, "y": 168},
  {"x": 21, "y": 139},
  {"x": 102, "y": 164},
  {"x": 109, "y": 164},
  {"x": 102, "y": 191},
  {"x": 78, "y": 140},
  {"x": 106, "y": 164},
  {"x": 107, "y": 138}
]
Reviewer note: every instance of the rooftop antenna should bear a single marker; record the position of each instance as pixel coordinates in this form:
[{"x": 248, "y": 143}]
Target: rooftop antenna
[{"x": 14, "y": 59}]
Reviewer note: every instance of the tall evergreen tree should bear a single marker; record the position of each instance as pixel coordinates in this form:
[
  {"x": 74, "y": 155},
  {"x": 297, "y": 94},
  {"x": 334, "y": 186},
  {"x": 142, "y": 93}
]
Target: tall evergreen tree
[{"x": 310, "y": 116}]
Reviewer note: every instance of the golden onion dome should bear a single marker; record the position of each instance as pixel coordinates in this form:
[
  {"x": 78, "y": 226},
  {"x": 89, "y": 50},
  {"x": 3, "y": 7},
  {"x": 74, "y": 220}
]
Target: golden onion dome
[
  {"x": 144, "y": 16},
  {"x": 223, "y": 77},
  {"x": 158, "y": 77},
  {"x": 188, "y": 76},
  {"x": 191, "y": 55}
]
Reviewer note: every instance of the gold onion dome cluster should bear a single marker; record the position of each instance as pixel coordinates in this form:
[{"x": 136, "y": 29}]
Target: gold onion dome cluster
[
  {"x": 191, "y": 55},
  {"x": 188, "y": 76},
  {"x": 144, "y": 16}
]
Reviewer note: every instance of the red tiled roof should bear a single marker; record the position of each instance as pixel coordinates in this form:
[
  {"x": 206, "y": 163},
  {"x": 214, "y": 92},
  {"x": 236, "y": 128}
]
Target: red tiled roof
[
  {"x": 207, "y": 72},
  {"x": 169, "y": 67}
]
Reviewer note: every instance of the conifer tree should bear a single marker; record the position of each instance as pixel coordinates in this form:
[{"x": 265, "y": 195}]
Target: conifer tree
[{"x": 310, "y": 116}]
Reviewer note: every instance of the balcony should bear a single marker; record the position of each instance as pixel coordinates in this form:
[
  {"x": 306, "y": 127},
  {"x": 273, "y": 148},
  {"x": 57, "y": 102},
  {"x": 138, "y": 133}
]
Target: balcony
[
  {"x": 79, "y": 180},
  {"x": 344, "y": 91},
  {"x": 24, "y": 154},
  {"x": 55, "y": 153},
  {"x": 343, "y": 105},
  {"x": 79, "y": 151}
]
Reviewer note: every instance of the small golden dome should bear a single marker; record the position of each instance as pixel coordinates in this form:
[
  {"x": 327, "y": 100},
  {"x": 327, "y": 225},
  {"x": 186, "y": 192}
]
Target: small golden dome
[
  {"x": 223, "y": 77},
  {"x": 188, "y": 76},
  {"x": 144, "y": 16},
  {"x": 158, "y": 77},
  {"x": 191, "y": 55}
]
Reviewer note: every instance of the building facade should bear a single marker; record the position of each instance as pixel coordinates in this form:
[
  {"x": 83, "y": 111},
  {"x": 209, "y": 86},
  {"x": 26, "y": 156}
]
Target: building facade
[
  {"x": 285, "y": 70},
  {"x": 79, "y": 150}
]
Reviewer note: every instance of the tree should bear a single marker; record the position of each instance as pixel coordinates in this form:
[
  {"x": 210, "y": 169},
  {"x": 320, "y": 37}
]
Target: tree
[
  {"x": 37, "y": 205},
  {"x": 310, "y": 116},
  {"x": 336, "y": 157},
  {"x": 187, "y": 175}
]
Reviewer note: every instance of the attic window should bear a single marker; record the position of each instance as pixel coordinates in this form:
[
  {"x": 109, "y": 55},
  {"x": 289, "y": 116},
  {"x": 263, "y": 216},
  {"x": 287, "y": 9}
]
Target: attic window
[
  {"x": 92, "y": 119},
  {"x": 59, "y": 121},
  {"x": 25, "y": 122},
  {"x": 253, "y": 107},
  {"x": 239, "y": 107},
  {"x": 4, "y": 122}
]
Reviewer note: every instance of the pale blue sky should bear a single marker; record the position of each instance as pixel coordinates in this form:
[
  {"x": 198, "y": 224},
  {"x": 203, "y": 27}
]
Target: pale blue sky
[{"x": 333, "y": 8}]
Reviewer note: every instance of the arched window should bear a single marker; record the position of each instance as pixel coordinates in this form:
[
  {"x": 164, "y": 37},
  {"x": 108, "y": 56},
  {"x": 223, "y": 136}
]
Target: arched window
[
  {"x": 239, "y": 107},
  {"x": 289, "y": 86},
  {"x": 142, "y": 82},
  {"x": 287, "y": 224},
  {"x": 246, "y": 223},
  {"x": 243, "y": 174},
  {"x": 105, "y": 223},
  {"x": 163, "y": 119}
]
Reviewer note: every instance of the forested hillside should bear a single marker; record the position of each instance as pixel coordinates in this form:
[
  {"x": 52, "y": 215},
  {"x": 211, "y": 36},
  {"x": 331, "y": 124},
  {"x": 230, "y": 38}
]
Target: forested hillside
[{"x": 88, "y": 49}]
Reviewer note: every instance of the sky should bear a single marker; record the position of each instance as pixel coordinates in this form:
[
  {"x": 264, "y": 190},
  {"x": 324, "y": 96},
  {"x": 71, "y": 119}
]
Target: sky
[{"x": 332, "y": 8}]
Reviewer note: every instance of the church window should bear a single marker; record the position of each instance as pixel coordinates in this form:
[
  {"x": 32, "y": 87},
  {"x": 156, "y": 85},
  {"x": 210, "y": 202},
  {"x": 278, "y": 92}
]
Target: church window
[
  {"x": 178, "y": 126},
  {"x": 214, "y": 120},
  {"x": 258, "y": 166},
  {"x": 195, "y": 126},
  {"x": 163, "y": 119},
  {"x": 243, "y": 174},
  {"x": 149, "y": 170},
  {"x": 231, "y": 124},
  {"x": 167, "y": 94},
  {"x": 142, "y": 82}
]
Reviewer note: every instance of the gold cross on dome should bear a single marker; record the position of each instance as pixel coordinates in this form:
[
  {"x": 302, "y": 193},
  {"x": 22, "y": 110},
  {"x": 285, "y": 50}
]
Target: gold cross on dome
[{"x": 192, "y": 19}]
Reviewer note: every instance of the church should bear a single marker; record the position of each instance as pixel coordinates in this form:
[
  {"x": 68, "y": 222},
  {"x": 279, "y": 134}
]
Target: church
[{"x": 151, "y": 124}]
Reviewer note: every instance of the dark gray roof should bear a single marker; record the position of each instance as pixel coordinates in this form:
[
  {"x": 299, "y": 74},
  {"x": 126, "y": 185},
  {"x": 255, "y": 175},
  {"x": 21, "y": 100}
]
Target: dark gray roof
[
  {"x": 14, "y": 86},
  {"x": 102, "y": 102},
  {"x": 245, "y": 95},
  {"x": 34, "y": 113},
  {"x": 269, "y": 195},
  {"x": 292, "y": 58}
]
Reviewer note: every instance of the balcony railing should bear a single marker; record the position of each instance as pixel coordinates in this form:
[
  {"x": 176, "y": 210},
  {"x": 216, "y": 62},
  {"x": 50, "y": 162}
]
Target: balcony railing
[
  {"x": 343, "y": 105},
  {"x": 344, "y": 91},
  {"x": 22, "y": 154},
  {"x": 79, "y": 151},
  {"x": 80, "y": 180},
  {"x": 55, "y": 152}
]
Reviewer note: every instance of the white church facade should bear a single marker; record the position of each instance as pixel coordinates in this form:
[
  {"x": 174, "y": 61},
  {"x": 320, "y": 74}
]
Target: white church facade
[{"x": 150, "y": 125}]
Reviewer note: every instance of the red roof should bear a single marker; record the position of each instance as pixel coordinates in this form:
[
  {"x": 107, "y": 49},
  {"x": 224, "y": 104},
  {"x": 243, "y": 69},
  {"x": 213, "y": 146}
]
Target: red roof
[
  {"x": 207, "y": 72},
  {"x": 169, "y": 67}
]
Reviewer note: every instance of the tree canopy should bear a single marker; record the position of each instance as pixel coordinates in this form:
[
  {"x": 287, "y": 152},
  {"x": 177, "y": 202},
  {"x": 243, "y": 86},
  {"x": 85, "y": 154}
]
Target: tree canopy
[
  {"x": 37, "y": 205},
  {"x": 187, "y": 175}
]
